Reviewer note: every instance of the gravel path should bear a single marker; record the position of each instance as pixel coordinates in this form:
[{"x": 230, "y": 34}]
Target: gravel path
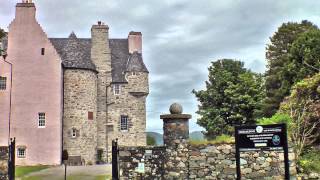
[{"x": 73, "y": 172}]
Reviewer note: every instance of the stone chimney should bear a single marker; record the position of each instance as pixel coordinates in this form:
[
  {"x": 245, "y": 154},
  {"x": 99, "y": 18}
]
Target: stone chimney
[
  {"x": 135, "y": 42},
  {"x": 175, "y": 138},
  {"x": 101, "y": 57},
  {"x": 25, "y": 10}
]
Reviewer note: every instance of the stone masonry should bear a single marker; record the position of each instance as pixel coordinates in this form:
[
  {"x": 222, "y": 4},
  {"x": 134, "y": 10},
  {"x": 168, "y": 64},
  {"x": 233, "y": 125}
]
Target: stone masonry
[
  {"x": 80, "y": 97},
  {"x": 178, "y": 159},
  {"x": 101, "y": 57},
  {"x": 130, "y": 102},
  {"x": 4, "y": 162}
]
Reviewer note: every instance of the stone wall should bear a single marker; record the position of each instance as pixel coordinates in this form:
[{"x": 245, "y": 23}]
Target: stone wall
[
  {"x": 152, "y": 157},
  {"x": 80, "y": 98},
  {"x": 130, "y": 102},
  {"x": 101, "y": 57},
  {"x": 218, "y": 162},
  {"x": 203, "y": 162},
  {"x": 4, "y": 155},
  {"x": 178, "y": 159}
]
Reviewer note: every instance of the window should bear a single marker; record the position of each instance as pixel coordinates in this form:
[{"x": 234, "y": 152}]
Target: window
[
  {"x": 42, "y": 51},
  {"x": 42, "y": 120},
  {"x": 74, "y": 133},
  {"x": 21, "y": 152},
  {"x": 3, "y": 83},
  {"x": 116, "y": 89},
  {"x": 124, "y": 123},
  {"x": 90, "y": 115}
]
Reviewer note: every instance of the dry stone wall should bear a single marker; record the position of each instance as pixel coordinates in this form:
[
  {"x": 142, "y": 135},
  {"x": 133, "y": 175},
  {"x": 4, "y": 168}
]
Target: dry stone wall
[
  {"x": 218, "y": 162},
  {"x": 178, "y": 159},
  {"x": 152, "y": 157},
  {"x": 204, "y": 162},
  {"x": 4, "y": 155}
]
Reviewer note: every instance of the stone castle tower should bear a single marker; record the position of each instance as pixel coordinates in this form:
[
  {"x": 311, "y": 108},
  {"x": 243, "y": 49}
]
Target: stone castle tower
[{"x": 102, "y": 87}]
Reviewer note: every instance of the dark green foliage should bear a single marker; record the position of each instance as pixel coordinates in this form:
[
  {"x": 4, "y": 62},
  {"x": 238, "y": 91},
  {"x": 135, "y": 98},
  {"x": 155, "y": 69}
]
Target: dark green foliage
[
  {"x": 232, "y": 96},
  {"x": 305, "y": 56},
  {"x": 2, "y": 33},
  {"x": 278, "y": 80},
  {"x": 151, "y": 141}
]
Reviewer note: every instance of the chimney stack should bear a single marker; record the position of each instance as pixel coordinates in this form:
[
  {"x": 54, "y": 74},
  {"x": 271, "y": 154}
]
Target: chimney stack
[{"x": 135, "y": 42}]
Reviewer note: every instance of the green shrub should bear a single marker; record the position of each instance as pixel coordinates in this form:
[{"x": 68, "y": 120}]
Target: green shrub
[
  {"x": 310, "y": 161},
  {"x": 218, "y": 140}
]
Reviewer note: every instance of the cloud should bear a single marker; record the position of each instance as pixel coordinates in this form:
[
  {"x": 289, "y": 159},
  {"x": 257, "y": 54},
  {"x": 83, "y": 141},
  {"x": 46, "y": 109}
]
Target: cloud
[{"x": 181, "y": 37}]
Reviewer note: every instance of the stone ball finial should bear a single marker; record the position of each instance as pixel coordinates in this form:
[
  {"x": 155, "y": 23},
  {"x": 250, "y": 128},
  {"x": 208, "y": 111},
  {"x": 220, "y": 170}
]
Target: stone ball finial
[{"x": 175, "y": 108}]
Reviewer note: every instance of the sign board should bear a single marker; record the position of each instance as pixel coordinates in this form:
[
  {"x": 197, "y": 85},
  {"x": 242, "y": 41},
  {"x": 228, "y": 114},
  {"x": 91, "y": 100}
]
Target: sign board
[
  {"x": 253, "y": 138},
  {"x": 261, "y": 137},
  {"x": 140, "y": 168}
]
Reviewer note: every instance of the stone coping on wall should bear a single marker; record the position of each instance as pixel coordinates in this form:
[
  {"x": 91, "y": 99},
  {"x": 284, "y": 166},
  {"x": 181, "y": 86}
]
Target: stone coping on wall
[{"x": 175, "y": 117}]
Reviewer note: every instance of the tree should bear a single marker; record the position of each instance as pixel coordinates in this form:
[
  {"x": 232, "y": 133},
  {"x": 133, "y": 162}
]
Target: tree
[
  {"x": 233, "y": 95},
  {"x": 2, "y": 33},
  {"x": 303, "y": 106},
  {"x": 278, "y": 82},
  {"x": 304, "y": 56},
  {"x": 151, "y": 141}
]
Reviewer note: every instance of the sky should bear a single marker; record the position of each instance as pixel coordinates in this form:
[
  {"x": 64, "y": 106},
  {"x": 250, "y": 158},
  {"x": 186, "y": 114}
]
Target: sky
[{"x": 180, "y": 37}]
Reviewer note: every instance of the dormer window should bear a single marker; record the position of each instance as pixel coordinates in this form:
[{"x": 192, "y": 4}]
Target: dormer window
[{"x": 116, "y": 89}]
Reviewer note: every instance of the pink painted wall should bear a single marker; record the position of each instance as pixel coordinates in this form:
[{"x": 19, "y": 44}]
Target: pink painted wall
[
  {"x": 4, "y": 104},
  {"x": 36, "y": 87}
]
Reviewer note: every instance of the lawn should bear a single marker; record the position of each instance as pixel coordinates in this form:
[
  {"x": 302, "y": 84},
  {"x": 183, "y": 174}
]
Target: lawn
[
  {"x": 24, "y": 170},
  {"x": 71, "y": 177}
]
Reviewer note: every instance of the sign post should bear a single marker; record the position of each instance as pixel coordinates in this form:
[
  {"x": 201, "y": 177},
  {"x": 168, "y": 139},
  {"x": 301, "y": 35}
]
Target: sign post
[{"x": 265, "y": 137}]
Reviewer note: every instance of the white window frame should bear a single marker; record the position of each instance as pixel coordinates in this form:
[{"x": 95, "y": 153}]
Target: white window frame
[
  {"x": 21, "y": 152},
  {"x": 41, "y": 120},
  {"x": 3, "y": 83},
  {"x": 124, "y": 123},
  {"x": 116, "y": 89}
]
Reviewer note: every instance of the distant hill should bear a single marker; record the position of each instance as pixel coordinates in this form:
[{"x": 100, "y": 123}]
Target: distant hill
[
  {"x": 157, "y": 136},
  {"x": 195, "y": 135}
]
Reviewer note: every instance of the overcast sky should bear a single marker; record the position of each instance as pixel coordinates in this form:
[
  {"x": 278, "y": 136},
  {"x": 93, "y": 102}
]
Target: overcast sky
[{"x": 180, "y": 37}]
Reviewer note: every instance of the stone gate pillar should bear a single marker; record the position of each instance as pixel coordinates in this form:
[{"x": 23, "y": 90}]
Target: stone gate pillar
[{"x": 175, "y": 138}]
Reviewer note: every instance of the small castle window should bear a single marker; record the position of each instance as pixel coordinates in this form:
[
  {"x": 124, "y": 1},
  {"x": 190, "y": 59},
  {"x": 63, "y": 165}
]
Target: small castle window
[
  {"x": 134, "y": 73},
  {"x": 73, "y": 133},
  {"x": 21, "y": 152},
  {"x": 90, "y": 115},
  {"x": 124, "y": 123},
  {"x": 41, "y": 120},
  {"x": 3, "y": 83},
  {"x": 116, "y": 89},
  {"x": 42, "y": 51}
]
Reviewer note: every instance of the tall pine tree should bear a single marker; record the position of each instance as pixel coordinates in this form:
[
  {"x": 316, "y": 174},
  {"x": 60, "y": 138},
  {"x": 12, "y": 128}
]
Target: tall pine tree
[{"x": 278, "y": 82}]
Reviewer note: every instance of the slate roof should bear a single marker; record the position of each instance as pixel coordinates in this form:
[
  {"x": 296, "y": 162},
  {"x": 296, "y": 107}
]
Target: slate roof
[
  {"x": 135, "y": 63},
  {"x": 76, "y": 54}
]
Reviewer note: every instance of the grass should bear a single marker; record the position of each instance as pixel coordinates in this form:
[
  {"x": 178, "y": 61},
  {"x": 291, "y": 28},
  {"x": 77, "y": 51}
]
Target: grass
[
  {"x": 102, "y": 177},
  {"x": 24, "y": 170},
  {"x": 310, "y": 161},
  {"x": 223, "y": 139},
  {"x": 70, "y": 177}
]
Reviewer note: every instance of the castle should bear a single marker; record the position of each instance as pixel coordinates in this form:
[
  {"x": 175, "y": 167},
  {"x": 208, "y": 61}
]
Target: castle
[{"x": 70, "y": 93}]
